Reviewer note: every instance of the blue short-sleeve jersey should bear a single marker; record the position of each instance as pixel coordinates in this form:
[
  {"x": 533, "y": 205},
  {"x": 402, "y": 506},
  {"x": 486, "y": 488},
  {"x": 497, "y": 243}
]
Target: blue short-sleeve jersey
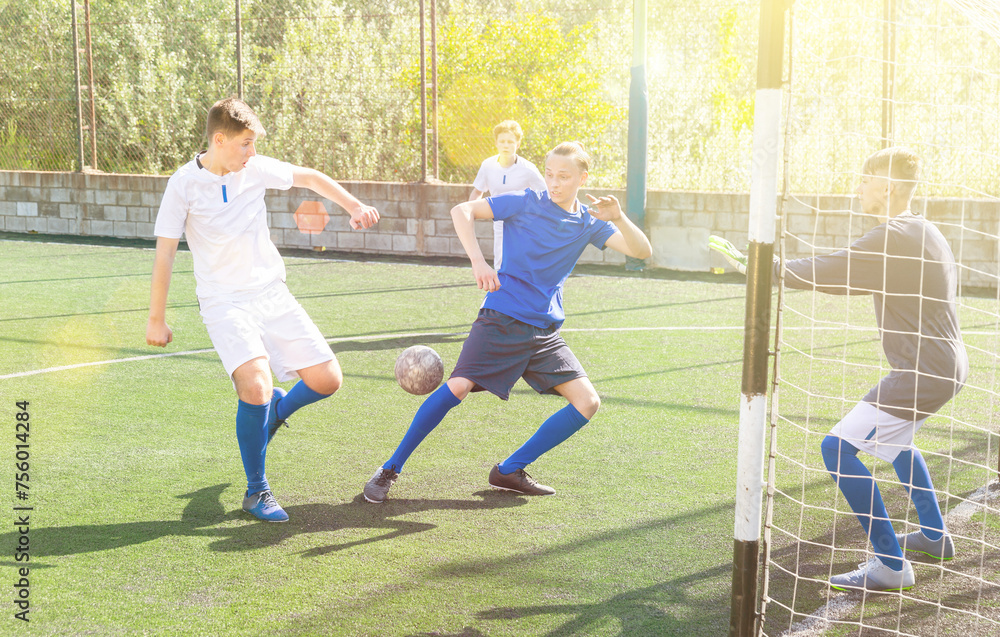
[{"x": 542, "y": 243}]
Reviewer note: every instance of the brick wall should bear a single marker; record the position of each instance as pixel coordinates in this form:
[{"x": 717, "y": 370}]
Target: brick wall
[{"x": 416, "y": 220}]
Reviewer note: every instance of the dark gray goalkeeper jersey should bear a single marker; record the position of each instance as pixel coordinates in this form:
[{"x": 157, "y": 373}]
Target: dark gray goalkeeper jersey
[{"x": 908, "y": 268}]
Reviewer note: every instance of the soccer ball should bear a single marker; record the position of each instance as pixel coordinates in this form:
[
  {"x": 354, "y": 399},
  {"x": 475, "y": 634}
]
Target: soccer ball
[{"x": 419, "y": 370}]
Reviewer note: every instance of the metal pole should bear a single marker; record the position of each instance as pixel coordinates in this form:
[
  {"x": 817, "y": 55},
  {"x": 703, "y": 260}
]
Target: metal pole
[
  {"x": 757, "y": 319},
  {"x": 638, "y": 127},
  {"x": 423, "y": 100},
  {"x": 239, "y": 52},
  {"x": 76, "y": 80},
  {"x": 888, "y": 71},
  {"x": 90, "y": 88},
  {"x": 434, "y": 84},
  {"x": 772, "y": 454}
]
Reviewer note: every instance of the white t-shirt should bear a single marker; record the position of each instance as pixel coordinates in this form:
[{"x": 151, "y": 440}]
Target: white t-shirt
[
  {"x": 496, "y": 180},
  {"x": 225, "y": 222}
]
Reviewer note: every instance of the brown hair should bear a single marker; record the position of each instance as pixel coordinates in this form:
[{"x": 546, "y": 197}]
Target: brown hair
[
  {"x": 508, "y": 126},
  {"x": 573, "y": 150},
  {"x": 232, "y": 116},
  {"x": 899, "y": 163}
]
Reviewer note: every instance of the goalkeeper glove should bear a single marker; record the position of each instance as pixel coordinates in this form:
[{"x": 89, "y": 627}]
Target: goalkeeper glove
[{"x": 728, "y": 250}]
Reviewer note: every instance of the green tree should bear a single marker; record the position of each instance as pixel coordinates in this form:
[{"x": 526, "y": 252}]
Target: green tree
[
  {"x": 525, "y": 67},
  {"x": 326, "y": 88},
  {"x": 37, "y": 94}
]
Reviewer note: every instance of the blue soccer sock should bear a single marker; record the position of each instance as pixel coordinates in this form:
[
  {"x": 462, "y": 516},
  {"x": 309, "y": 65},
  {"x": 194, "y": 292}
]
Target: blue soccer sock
[
  {"x": 912, "y": 472},
  {"x": 299, "y": 396},
  {"x": 557, "y": 428},
  {"x": 861, "y": 492},
  {"x": 431, "y": 412},
  {"x": 251, "y": 434}
]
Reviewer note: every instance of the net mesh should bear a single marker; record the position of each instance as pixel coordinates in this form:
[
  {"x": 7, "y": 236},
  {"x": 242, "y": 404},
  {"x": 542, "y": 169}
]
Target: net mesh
[{"x": 934, "y": 88}]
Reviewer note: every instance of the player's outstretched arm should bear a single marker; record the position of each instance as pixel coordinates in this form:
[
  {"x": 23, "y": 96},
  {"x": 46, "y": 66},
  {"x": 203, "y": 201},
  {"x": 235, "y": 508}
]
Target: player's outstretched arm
[
  {"x": 157, "y": 331},
  {"x": 362, "y": 216},
  {"x": 855, "y": 271},
  {"x": 464, "y": 216},
  {"x": 629, "y": 240}
]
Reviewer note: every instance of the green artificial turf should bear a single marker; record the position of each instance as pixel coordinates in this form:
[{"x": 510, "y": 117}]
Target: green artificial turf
[{"x": 136, "y": 481}]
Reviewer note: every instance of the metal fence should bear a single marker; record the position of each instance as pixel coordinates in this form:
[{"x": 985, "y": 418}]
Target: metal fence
[{"x": 338, "y": 85}]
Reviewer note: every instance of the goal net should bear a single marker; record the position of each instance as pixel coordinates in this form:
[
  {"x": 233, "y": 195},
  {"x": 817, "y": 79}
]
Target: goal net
[{"x": 863, "y": 75}]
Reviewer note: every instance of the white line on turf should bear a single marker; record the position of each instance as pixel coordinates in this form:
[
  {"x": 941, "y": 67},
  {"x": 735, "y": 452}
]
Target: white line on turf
[
  {"x": 371, "y": 337},
  {"x": 61, "y": 368},
  {"x": 671, "y": 328},
  {"x": 820, "y": 621}
]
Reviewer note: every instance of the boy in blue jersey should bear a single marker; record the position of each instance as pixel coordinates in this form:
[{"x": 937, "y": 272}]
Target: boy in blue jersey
[{"x": 517, "y": 332}]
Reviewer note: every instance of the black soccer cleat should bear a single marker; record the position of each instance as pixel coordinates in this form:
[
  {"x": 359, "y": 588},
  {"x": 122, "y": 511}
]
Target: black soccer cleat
[{"x": 519, "y": 482}]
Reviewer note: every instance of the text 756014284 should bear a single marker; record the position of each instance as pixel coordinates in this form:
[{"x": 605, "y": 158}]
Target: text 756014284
[{"x": 22, "y": 511}]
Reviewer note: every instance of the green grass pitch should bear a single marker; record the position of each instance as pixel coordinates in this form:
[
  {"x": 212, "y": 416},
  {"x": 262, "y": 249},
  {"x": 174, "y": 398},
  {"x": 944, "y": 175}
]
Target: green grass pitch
[{"x": 136, "y": 482}]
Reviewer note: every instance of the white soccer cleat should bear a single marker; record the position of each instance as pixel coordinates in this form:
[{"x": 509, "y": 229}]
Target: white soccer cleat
[
  {"x": 378, "y": 486},
  {"x": 942, "y": 548},
  {"x": 873, "y": 575}
]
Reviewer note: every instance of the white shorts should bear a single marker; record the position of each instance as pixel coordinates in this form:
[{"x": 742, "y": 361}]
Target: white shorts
[
  {"x": 271, "y": 324},
  {"x": 876, "y": 432}
]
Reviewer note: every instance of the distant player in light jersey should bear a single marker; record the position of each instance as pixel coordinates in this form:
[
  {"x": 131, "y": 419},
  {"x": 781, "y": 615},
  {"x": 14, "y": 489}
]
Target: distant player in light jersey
[
  {"x": 907, "y": 267},
  {"x": 505, "y": 172},
  {"x": 217, "y": 201},
  {"x": 516, "y": 334}
]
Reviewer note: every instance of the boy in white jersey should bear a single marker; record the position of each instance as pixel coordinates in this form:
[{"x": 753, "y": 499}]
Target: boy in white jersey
[
  {"x": 217, "y": 201},
  {"x": 505, "y": 172}
]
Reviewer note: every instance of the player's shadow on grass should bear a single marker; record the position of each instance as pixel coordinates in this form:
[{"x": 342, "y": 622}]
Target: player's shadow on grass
[
  {"x": 638, "y": 612},
  {"x": 357, "y": 515},
  {"x": 468, "y": 631},
  {"x": 205, "y": 509},
  {"x": 399, "y": 342},
  {"x": 802, "y": 567},
  {"x": 799, "y": 584},
  {"x": 662, "y": 608}
]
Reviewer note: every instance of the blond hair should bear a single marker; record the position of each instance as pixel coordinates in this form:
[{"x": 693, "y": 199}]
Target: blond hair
[
  {"x": 231, "y": 116},
  {"x": 899, "y": 163},
  {"x": 508, "y": 126},
  {"x": 573, "y": 150}
]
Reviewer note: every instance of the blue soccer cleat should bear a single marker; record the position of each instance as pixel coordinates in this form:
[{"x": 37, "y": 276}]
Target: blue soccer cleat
[
  {"x": 263, "y": 506},
  {"x": 273, "y": 423}
]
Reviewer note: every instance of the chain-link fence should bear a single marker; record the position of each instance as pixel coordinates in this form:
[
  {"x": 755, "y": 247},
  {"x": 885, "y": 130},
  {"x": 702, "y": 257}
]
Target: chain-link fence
[
  {"x": 337, "y": 84},
  {"x": 37, "y": 103},
  {"x": 915, "y": 72}
]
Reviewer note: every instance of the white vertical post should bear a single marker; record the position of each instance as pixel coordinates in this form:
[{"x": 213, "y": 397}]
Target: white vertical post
[{"x": 757, "y": 320}]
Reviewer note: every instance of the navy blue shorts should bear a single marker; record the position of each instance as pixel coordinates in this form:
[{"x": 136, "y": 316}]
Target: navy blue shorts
[{"x": 501, "y": 349}]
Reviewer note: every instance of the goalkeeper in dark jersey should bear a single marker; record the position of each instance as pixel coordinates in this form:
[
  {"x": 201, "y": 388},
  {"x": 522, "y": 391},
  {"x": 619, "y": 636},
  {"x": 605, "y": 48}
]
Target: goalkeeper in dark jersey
[{"x": 907, "y": 267}]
